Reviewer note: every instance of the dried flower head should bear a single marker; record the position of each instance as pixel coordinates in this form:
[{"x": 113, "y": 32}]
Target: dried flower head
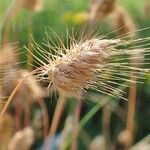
[
  {"x": 22, "y": 140},
  {"x": 86, "y": 65},
  {"x": 78, "y": 68},
  {"x": 100, "y": 9},
  {"x": 30, "y": 89}
]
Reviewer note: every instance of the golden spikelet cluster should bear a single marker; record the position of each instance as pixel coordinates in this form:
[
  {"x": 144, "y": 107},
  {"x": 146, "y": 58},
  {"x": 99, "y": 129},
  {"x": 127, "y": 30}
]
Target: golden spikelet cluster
[
  {"x": 11, "y": 75},
  {"x": 86, "y": 65},
  {"x": 77, "y": 69},
  {"x": 29, "y": 92},
  {"x": 100, "y": 9},
  {"x": 118, "y": 15},
  {"x": 22, "y": 140},
  {"x": 30, "y": 89}
]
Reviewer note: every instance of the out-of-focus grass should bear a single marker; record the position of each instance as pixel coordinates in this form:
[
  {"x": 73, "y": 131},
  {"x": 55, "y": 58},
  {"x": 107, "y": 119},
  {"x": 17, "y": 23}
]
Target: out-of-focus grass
[
  {"x": 54, "y": 10},
  {"x": 52, "y": 16}
]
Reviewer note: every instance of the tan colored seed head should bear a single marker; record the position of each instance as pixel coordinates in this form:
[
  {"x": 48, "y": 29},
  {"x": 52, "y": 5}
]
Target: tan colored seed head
[
  {"x": 30, "y": 89},
  {"x": 101, "y": 8},
  {"x": 77, "y": 69},
  {"x": 28, "y": 93}
]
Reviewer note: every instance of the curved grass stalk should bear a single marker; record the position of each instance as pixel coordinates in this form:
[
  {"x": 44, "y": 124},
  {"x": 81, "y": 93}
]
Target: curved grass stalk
[
  {"x": 14, "y": 93},
  {"x": 9, "y": 15},
  {"x": 131, "y": 114},
  {"x": 76, "y": 121},
  {"x": 45, "y": 116},
  {"x": 10, "y": 98},
  {"x": 106, "y": 116},
  {"x": 57, "y": 114}
]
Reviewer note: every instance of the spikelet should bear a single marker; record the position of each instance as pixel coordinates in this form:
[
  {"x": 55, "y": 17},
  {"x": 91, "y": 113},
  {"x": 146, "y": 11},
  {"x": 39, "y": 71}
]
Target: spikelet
[
  {"x": 22, "y": 140},
  {"x": 6, "y": 129},
  {"x": 86, "y": 65},
  {"x": 30, "y": 87},
  {"x": 77, "y": 69},
  {"x": 29, "y": 92},
  {"x": 33, "y": 5},
  {"x": 100, "y": 9},
  {"x": 123, "y": 23}
]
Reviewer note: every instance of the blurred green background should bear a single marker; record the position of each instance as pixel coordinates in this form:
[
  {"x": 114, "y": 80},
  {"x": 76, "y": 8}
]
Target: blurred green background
[{"x": 55, "y": 15}]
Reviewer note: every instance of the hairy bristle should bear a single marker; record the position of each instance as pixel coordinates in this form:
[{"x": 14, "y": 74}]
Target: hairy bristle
[
  {"x": 77, "y": 69},
  {"x": 97, "y": 64}
]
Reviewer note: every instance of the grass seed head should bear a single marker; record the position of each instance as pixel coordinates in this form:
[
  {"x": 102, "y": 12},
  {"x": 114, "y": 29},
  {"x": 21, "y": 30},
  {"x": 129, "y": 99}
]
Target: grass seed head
[
  {"x": 103, "y": 65},
  {"x": 77, "y": 69},
  {"x": 123, "y": 23},
  {"x": 101, "y": 8},
  {"x": 30, "y": 89},
  {"x": 28, "y": 93}
]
